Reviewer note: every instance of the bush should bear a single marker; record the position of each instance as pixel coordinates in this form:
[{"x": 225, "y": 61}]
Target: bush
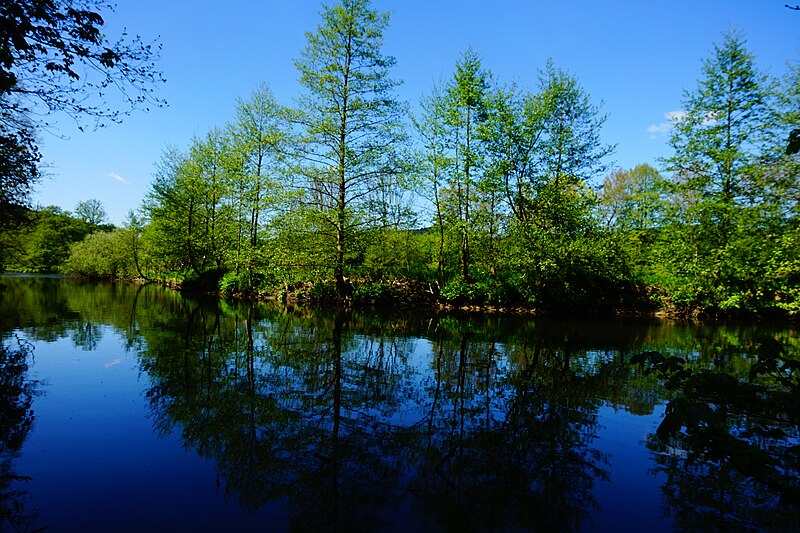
[
  {"x": 101, "y": 255},
  {"x": 375, "y": 294},
  {"x": 232, "y": 283},
  {"x": 485, "y": 291},
  {"x": 323, "y": 291}
]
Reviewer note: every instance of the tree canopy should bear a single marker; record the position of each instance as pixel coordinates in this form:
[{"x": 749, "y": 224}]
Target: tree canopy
[{"x": 501, "y": 195}]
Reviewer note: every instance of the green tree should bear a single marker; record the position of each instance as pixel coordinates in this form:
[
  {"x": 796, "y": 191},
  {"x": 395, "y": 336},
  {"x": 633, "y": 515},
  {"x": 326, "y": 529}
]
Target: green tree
[
  {"x": 41, "y": 245},
  {"x": 91, "y": 212},
  {"x": 433, "y": 162},
  {"x": 544, "y": 149},
  {"x": 729, "y": 123},
  {"x": 351, "y": 123},
  {"x": 134, "y": 225},
  {"x": 171, "y": 207},
  {"x": 466, "y": 94},
  {"x": 19, "y": 170},
  {"x": 632, "y": 207},
  {"x": 633, "y": 199},
  {"x": 259, "y": 139},
  {"x": 208, "y": 172},
  {"x": 731, "y": 193}
]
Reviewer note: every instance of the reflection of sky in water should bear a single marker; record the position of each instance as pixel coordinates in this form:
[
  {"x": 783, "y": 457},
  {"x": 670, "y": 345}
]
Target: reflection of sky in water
[
  {"x": 633, "y": 495},
  {"x": 95, "y": 462}
]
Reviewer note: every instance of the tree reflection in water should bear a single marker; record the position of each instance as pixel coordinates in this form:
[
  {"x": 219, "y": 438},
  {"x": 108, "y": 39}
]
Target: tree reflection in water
[
  {"x": 509, "y": 443},
  {"x": 16, "y": 419},
  {"x": 360, "y": 422},
  {"x": 730, "y": 445},
  {"x": 330, "y": 415}
]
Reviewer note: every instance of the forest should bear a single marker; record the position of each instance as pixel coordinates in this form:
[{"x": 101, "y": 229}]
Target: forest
[{"x": 482, "y": 194}]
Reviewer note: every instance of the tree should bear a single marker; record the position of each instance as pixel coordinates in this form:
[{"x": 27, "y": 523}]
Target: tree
[
  {"x": 54, "y": 57},
  {"x": 259, "y": 138},
  {"x": 569, "y": 150},
  {"x": 731, "y": 191},
  {"x": 466, "y": 95},
  {"x": 434, "y": 160},
  {"x": 91, "y": 212},
  {"x": 19, "y": 170},
  {"x": 729, "y": 123},
  {"x": 351, "y": 123},
  {"x": 170, "y": 207},
  {"x": 543, "y": 149},
  {"x": 41, "y": 244},
  {"x": 633, "y": 200}
]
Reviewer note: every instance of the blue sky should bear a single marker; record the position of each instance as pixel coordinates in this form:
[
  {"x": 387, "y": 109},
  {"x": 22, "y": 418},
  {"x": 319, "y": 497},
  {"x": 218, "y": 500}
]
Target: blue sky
[{"x": 635, "y": 58}]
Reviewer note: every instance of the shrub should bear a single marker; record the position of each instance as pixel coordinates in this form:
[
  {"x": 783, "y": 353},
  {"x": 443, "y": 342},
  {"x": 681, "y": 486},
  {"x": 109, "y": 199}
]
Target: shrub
[
  {"x": 375, "y": 294},
  {"x": 101, "y": 255},
  {"x": 323, "y": 291},
  {"x": 485, "y": 291}
]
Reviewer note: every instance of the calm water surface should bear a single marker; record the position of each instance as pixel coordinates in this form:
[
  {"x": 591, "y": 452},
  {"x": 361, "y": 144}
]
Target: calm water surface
[{"x": 133, "y": 408}]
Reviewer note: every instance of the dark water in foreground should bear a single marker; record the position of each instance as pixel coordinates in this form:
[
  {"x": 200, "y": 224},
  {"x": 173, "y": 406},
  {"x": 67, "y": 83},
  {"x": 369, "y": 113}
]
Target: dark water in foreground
[{"x": 129, "y": 408}]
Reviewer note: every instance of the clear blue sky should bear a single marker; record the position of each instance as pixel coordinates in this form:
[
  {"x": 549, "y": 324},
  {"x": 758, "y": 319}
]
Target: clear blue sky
[{"x": 634, "y": 57}]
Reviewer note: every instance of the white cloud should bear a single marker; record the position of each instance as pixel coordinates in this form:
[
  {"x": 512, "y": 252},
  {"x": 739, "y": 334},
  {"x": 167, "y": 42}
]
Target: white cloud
[
  {"x": 661, "y": 128},
  {"x": 117, "y": 177}
]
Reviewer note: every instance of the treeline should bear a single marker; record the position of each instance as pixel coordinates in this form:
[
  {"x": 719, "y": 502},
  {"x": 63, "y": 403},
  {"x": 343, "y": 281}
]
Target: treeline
[
  {"x": 42, "y": 241},
  {"x": 483, "y": 196}
]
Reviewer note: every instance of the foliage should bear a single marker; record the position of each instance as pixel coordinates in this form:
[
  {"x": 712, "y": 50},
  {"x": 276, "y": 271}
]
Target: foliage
[
  {"x": 91, "y": 212},
  {"x": 42, "y": 243},
  {"x": 733, "y": 190},
  {"x": 350, "y": 125},
  {"x": 507, "y": 209},
  {"x": 102, "y": 255},
  {"x": 749, "y": 424},
  {"x": 485, "y": 291},
  {"x": 55, "y": 57},
  {"x": 323, "y": 292},
  {"x": 375, "y": 294},
  {"x": 19, "y": 170}
]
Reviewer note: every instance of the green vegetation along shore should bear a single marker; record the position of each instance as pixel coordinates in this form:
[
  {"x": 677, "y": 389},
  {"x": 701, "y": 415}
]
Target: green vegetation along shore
[{"x": 487, "y": 194}]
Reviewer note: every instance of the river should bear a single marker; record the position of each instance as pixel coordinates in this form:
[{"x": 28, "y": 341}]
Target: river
[{"x": 136, "y": 408}]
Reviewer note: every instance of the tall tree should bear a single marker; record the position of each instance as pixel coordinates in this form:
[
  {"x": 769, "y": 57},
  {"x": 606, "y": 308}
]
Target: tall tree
[
  {"x": 351, "y": 121},
  {"x": 544, "y": 148},
  {"x": 434, "y": 161},
  {"x": 569, "y": 150},
  {"x": 467, "y": 93},
  {"x": 732, "y": 191},
  {"x": 729, "y": 123},
  {"x": 259, "y": 138},
  {"x": 174, "y": 238}
]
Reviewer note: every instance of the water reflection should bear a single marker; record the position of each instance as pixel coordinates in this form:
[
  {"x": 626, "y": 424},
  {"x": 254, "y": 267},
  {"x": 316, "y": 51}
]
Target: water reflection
[
  {"x": 357, "y": 421},
  {"x": 729, "y": 444},
  {"x": 336, "y": 415},
  {"x": 16, "y": 419}
]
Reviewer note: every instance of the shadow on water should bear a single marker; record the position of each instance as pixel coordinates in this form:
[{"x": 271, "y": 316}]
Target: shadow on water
[
  {"x": 345, "y": 427},
  {"x": 360, "y": 421},
  {"x": 730, "y": 445},
  {"x": 16, "y": 419}
]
